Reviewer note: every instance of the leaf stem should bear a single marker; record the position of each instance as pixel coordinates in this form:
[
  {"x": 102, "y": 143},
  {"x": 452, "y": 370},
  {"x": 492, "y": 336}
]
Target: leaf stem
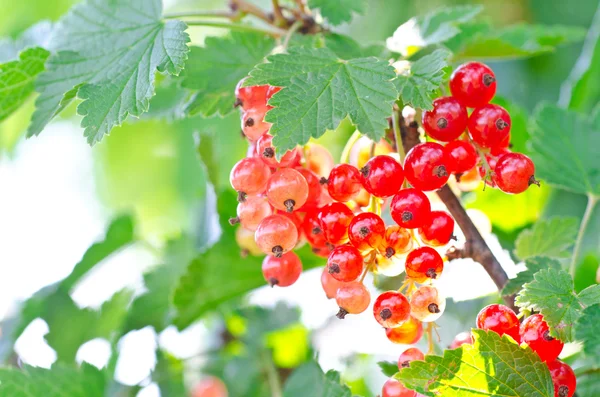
[
  {"x": 293, "y": 29},
  {"x": 201, "y": 14},
  {"x": 587, "y": 215},
  {"x": 272, "y": 375},
  {"x": 348, "y": 147},
  {"x": 239, "y": 27},
  {"x": 279, "y": 18},
  {"x": 398, "y": 135}
]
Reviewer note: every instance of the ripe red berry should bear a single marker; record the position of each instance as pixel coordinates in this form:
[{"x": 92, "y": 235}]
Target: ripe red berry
[
  {"x": 424, "y": 263},
  {"x": 461, "y": 156},
  {"x": 267, "y": 153},
  {"x": 563, "y": 379},
  {"x": 391, "y": 309},
  {"x": 315, "y": 190},
  {"x": 344, "y": 182},
  {"x": 438, "y": 229},
  {"x": 473, "y": 84},
  {"x": 334, "y": 219},
  {"x": 366, "y": 231},
  {"x": 447, "y": 120},
  {"x": 345, "y": 263},
  {"x": 330, "y": 285},
  {"x": 489, "y": 125},
  {"x": 287, "y": 190},
  {"x": 249, "y": 176},
  {"x": 427, "y": 304},
  {"x": 352, "y": 298},
  {"x": 251, "y": 212},
  {"x": 395, "y": 388},
  {"x": 536, "y": 333},
  {"x": 464, "y": 338},
  {"x": 397, "y": 241},
  {"x": 410, "y": 208},
  {"x": 426, "y": 166},
  {"x": 251, "y": 97},
  {"x": 502, "y": 148},
  {"x": 311, "y": 227},
  {"x": 382, "y": 176},
  {"x": 408, "y": 333},
  {"x": 318, "y": 159},
  {"x": 210, "y": 387},
  {"x": 283, "y": 271},
  {"x": 408, "y": 355},
  {"x": 514, "y": 173},
  {"x": 253, "y": 124},
  {"x": 276, "y": 235},
  {"x": 500, "y": 319}
]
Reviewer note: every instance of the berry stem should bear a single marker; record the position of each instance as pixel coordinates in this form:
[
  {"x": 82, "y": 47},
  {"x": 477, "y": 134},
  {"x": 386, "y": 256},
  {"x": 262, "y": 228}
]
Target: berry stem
[
  {"x": 272, "y": 375},
  {"x": 249, "y": 8},
  {"x": 279, "y": 18},
  {"x": 430, "y": 343},
  {"x": 348, "y": 147},
  {"x": 587, "y": 215},
  {"x": 397, "y": 134},
  {"x": 486, "y": 164},
  {"x": 274, "y": 32},
  {"x": 301, "y": 6},
  {"x": 293, "y": 29}
]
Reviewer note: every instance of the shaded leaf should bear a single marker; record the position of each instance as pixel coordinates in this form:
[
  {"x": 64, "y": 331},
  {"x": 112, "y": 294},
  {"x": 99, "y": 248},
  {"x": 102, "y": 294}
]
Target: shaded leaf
[
  {"x": 309, "y": 380},
  {"x": 389, "y": 368},
  {"x": 338, "y": 11},
  {"x": 534, "y": 265},
  {"x": 587, "y": 330},
  {"x": 551, "y": 238},
  {"x": 168, "y": 375}
]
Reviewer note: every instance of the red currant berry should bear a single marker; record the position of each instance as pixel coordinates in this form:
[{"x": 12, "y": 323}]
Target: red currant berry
[
  {"x": 410, "y": 354},
  {"x": 315, "y": 190},
  {"x": 473, "y": 84},
  {"x": 382, "y": 176},
  {"x": 489, "y": 179},
  {"x": 563, "y": 379},
  {"x": 397, "y": 241},
  {"x": 391, "y": 309},
  {"x": 210, "y": 387},
  {"x": 283, "y": 271},
  {"x": 426, "y": 166},
  {"x": 323, "y": 251},
  {"x": 427, "y": 304},
  {"x": 438, "y": 230},
  {"x": 253, "y": 124},
  {"x": 489, "y": 125},
  {"x": 447, "y": 120},
  {"x": 410, "y": 208},
  {"x": 345, "y": 263},
  {"x": 395, "y": 388},
  {"x": 461, "y": 156},
  {"x": 500, "y": 319},
  {"x": 272, "y": 91},
  {"x": 344, "y": 182},
  {"x": 464, "y": 338},
  {"x": 424, "y": 263},
  {"x": 266, "y": 151},
  {"x": 352, "y": 298},
  {"x": 513, "y": 173},
  {"x": 366, "y": 231},
  {"x": 318, "y": 159},
  {"x": 251, "y": 212},
  {"x": 502, "y": 148},
  {"x": 287, "y": 190},
  {"x": 406, "y": 334},
  {"x": 249, "y": 177},
  {"x": 330, "y": 285},
  {"x": 251, "y": 97},
  {"x": 334, "y": 220},
  {"x": 311, "y": 227},
  {"x": 469, "y": 180},
  {"x": 536, "y": 333},
  {"x": 276, "y": 235},
  {"x": 292, "y": 216}
]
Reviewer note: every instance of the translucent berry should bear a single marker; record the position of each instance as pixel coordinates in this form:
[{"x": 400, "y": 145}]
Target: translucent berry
[
  {"x": 536, "y": 333},
  {"x": 345, "y": 263},
  {"x": 389, "y": 267},
  {"x": 489, "y": 125},
  {"x": 322, "y": 250},
  {"x": 287, "y": 190},
  {"x": 253, "y": 124},
  {"x": 473, "y": 84},
  {"x": 283, "y": 271},
  {"x": 427, "y": 304},
  {"x": 408, "y": 333},
  {"x": 267, "y": 153},
  {"x": 245, "y": 239},
  {"x": 438, "y": 230},
  {"x": 563, "y": 379},
  {"x": 513, "y": 173},
  {"x": 334, "y": 220},
  {"x": 397, "y": 241},
  {"x": 315, "y": 190},
  {"x": 447, "y": 120},
  {"x": 410, "y": 354},
  {"x": 318, "y": 159},
  {"x": 249, "y": 176},
  {"x": 251, "y": 97},
  {"x": 469, "y": 180},
  {"x": 251, "y": 212},
  {"x": 426, "y": 166},
  {"x": 395, "y": 388},
  {"x": 276, "y": 235},
  {"x": 311, "y": 227},
  {"x": 410, "y": 208},
  {"x": 360, "y": 152},
  {"x": 391, "y": 309},
  {"x": 344, "y": 182},
  {"x": 330, "y": 285},
  {"x": 382, "y": 176},
  {"x": 461, "y": 156},
  {"x": 424, "y": 263},
  {"x": 366, "y": 231},
  {"x": 292, "y": 216},
  {"x": 464, "y": 338},
  {"x": 352, "y": 298},
  {"x": 500, "y": 319},
  {"x": 502, "y": 148}
]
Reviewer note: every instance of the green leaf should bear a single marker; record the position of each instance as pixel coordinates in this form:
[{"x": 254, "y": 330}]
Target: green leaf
[
  {"x": 566, "y": 148},
  {"x": 551, "y": 238},
  {"x": 433, "y": 28},
  {"x": 491, "y": 366},
  {"x": 309, "y": 380},
  {"x": 59, "y": 381},
  {"x": 534, "y": 265},
  {"x": 338, "y": 11},
  {"x": 588, "y": 384},
  {"x": 215, "y": 69},
  {"x": 321, "y": 90},
  {"x": 38, "y": 35},
  {"x": 17, "y": 79},
  {"x": 417, "y": 87},
  {"x": 108, "y": 54},
  {"x": 347, "y": 48},
  {"x": 553, "y": 295},
  {"x": 587, "y": 330},
  {"x": 389, "y": 368},
  {"x": 168, "y": 374}
]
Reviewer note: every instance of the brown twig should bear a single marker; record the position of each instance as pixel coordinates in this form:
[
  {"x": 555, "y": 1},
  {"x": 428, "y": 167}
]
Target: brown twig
[
  {"x": 278, "y": 14},
  {"x": 301, "y": 6},
  {"x": 249, "y": 8}
]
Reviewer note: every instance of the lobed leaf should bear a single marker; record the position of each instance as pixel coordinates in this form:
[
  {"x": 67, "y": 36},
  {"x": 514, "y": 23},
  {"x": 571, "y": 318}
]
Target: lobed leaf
[
  {"x": 389, "y": 368},
  {"x": 587, "y": 330},
  {"x": 309, "y": 380},
  {"x": 338, "y": 11},
  {"x": 551, "y": 238},
  {"x": 534, "y": 265}
]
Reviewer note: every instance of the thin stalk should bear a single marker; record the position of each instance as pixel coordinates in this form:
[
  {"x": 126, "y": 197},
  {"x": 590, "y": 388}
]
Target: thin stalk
[
  {"x": 249, "y": 8},
  {"x": 201, "y": 14},
  {"x": 238, "y": 27},
  {"x": 272, "y": 376},
  {"x": 293, "y": 29},
  {"x": 301, "y": 6},
  {"x": 398, "y": 135},
  {"x": 348, "y": 147},
  {"x": 587, "y": 215},
  {"x": 279, "y": 18}
]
